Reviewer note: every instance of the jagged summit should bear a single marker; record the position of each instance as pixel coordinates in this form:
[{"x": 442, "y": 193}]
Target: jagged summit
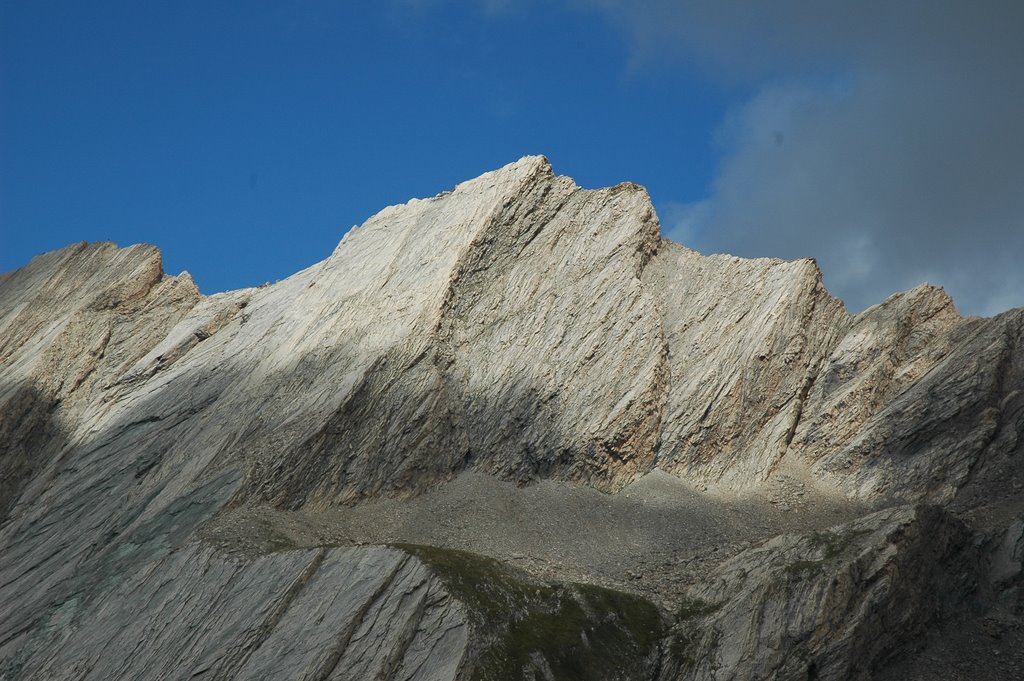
[{"x": 518, "y": 330}]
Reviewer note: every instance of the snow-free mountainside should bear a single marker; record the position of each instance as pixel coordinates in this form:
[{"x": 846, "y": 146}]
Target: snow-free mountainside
[{"x": 508, "y": 432}]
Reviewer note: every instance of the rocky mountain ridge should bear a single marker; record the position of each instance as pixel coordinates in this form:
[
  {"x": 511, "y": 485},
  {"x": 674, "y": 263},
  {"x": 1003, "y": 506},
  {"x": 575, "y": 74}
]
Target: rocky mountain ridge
[{"x": 160, "y": 444}]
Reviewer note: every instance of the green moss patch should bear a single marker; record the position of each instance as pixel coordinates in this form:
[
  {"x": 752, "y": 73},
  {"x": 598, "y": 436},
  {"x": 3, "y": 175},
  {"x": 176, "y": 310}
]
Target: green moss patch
[
  {"x": 531, "y": 628},
  {"x": 803, "y": 567},
  {"x": 833, "y": 544},
  {"x": 691, "y": 608}
]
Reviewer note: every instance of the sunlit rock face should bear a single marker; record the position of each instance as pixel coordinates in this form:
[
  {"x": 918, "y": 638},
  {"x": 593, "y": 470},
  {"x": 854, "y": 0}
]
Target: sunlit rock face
[{"x": 176, "y": 469}]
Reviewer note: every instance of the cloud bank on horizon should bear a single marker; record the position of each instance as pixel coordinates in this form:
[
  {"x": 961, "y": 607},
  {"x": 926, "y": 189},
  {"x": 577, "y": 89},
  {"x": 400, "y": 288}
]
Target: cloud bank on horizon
[{"x": 885, "y": 139}]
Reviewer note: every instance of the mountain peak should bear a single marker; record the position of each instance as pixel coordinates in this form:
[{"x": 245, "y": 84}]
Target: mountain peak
[{"x": 502, "y": 388}]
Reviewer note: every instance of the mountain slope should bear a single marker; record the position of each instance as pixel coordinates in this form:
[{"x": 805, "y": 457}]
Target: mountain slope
[{"x": 517, "y": 327}]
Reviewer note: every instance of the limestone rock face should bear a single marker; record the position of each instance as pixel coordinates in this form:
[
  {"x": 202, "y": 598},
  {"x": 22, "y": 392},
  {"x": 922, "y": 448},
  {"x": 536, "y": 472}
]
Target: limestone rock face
[
  {"x": 323, "y": 614},
  {"x": 915, "y": 398},
  {"x": 834, "y": 604},
  {"x": 519, "y": 327},
  {"x": 746, "y": 339},
  {"x": 71, "y": 323}
]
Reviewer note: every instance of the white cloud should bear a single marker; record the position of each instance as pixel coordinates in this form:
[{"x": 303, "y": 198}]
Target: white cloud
[{"x": 885, "y": 139}]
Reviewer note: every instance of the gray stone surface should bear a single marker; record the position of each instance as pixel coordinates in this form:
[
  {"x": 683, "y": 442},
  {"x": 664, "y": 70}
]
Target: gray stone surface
[
  {"x": 834, "y": 604},
  {"x": 315, "y": 614}
]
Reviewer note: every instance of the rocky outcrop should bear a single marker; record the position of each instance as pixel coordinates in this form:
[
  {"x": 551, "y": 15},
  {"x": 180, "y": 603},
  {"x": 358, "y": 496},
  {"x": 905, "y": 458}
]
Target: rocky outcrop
[
  {"x": 746, "y": 339},
  {"x": 916, "y": 400},
  {"x": 519, "y": 327},
  {"x": 72, "y": 322},
  {"x": 355, "y": 613},
  {"x": 835, "y": 604}
]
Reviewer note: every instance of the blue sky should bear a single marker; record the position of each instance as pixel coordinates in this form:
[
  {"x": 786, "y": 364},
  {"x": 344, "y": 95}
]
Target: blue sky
[
  {"x": 244, "y": 139},
  {"x": 244, "y": 143}
]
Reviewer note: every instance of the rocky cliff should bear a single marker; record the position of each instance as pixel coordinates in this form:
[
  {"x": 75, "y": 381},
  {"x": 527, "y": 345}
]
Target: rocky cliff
[{"x": 384, "y": 466}]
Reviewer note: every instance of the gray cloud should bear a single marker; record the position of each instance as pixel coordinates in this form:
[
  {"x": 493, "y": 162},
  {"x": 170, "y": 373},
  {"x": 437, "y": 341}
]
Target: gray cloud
[{"x": 885, "y": 139}]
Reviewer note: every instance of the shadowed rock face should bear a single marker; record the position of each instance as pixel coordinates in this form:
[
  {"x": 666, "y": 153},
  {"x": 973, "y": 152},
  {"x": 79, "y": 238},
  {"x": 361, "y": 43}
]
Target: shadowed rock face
[
  {"x": 833, "y": 604},
  {"x": 518, "y": 327}
]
